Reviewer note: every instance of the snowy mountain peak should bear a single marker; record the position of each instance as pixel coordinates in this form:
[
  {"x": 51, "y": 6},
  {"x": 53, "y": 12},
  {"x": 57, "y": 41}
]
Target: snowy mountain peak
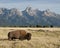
[
  {"x": 47, "y": 10},
  {"x": 28, "y": 9},
  {"x": 48, "y": 13},
  {"x": 15, "y": 11}
]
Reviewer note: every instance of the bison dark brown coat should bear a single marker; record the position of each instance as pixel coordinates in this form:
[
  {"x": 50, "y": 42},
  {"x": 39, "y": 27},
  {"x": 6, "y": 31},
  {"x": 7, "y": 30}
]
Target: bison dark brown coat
[{"x": 19, "y": 34}]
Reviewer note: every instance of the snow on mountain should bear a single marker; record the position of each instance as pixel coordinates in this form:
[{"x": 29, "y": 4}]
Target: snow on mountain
[{"x": 29, "y": 16}]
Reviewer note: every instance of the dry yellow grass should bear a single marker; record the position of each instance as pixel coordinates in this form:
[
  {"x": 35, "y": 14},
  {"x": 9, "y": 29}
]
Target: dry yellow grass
[{"x": 41, "y": 38}]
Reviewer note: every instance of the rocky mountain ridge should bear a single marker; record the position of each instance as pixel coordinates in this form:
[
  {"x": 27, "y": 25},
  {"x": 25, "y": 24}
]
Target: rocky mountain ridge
[{"x": 29, "y": 16}]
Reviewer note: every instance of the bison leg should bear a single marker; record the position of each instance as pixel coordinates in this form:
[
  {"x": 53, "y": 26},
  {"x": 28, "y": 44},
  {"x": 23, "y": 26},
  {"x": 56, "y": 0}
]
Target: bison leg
[
  {"x": 9, "y": 38},
  {"x": 21, "y": 38}
]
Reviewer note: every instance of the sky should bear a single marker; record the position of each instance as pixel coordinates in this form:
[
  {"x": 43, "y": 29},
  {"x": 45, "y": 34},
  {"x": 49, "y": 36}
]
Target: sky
[{"x": 53, "y": 5}]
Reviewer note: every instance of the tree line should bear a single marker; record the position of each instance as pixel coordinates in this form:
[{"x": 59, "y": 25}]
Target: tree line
[{"x": 28, "y": 26}]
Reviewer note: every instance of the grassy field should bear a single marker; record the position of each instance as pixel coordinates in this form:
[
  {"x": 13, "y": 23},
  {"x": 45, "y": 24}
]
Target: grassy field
[{"x": 41, "y": 38}]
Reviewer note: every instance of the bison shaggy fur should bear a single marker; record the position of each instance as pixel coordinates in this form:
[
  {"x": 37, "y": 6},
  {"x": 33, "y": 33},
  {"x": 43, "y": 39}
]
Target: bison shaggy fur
[{"x": 19, "y": 34}]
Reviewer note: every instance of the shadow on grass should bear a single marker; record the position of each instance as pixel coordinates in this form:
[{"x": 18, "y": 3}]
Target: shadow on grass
[{"x": 3, "y": 39}]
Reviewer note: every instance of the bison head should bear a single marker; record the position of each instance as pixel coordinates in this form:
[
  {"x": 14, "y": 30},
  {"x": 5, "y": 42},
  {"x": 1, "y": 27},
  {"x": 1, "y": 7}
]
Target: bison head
[{"x": 28, "y": 36}]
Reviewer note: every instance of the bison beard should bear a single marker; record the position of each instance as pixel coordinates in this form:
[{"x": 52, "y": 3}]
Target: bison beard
[{"x": 19, "y": 34}]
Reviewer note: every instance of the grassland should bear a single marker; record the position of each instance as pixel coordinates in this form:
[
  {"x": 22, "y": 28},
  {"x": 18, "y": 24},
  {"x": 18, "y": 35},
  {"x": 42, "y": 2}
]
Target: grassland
[{"x": 41, "y": 38}]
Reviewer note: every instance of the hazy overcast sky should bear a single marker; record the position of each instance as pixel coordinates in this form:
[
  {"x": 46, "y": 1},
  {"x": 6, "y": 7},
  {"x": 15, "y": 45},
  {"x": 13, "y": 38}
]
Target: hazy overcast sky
[{"x": 53, "y": 5}]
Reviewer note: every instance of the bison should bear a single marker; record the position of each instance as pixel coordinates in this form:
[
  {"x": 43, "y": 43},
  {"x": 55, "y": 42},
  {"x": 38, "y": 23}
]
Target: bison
[{"x": 19, "y": 34}]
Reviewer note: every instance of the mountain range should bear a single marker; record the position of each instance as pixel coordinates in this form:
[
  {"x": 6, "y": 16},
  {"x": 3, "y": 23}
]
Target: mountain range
[{"x": 27, "y": 17}]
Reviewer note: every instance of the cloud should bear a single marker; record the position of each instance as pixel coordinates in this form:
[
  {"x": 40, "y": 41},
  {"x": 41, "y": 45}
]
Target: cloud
[
  {"x": 41, "y": 4},
  {"x": 41, "y": 1}
]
